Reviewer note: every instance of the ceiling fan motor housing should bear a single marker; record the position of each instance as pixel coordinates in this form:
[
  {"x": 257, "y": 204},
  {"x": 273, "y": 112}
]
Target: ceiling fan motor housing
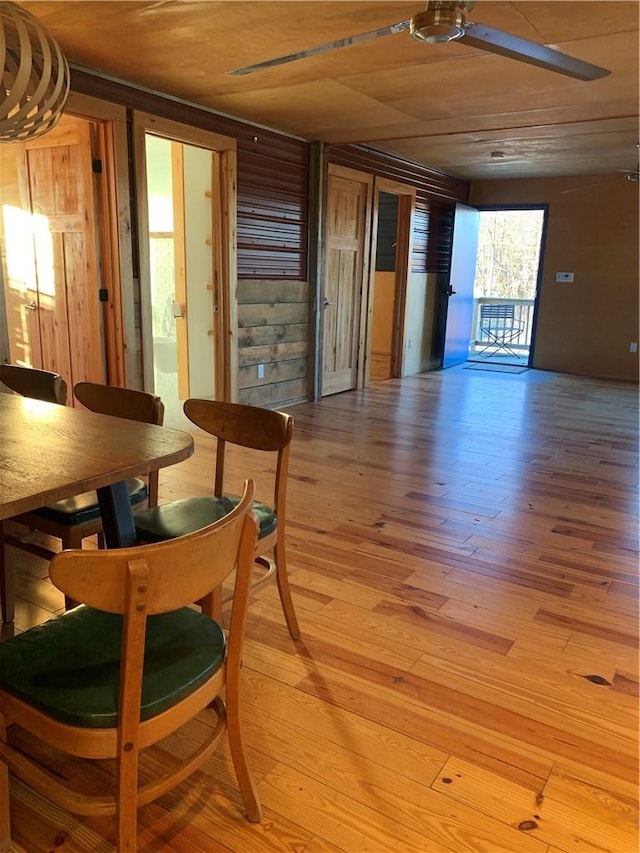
[{"x": 440, "y": 22}]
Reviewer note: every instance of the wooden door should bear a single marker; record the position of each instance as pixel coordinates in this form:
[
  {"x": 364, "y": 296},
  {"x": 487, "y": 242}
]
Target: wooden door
[
  {"x": 51, "y": 269},
  {"x": 346, "y": 274}
]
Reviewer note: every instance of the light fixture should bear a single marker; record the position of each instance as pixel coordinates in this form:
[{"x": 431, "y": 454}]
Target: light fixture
[{"x": 35, "y": 76}]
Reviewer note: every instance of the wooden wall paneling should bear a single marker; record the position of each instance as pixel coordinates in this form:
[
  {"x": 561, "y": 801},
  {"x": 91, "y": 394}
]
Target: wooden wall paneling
[
  {"x": 434, "y": 184},
  {"x": 433, "y": 235},
  {"x": 273, "y": 334},
  {"x": 273, "y": 207}
]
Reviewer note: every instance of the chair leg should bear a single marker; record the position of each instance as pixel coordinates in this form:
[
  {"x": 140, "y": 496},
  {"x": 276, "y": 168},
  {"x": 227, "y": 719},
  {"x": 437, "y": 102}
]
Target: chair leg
[
  {"x": 7, "y": 582},
  {"x": 127, "y": 802},
  {"x": 247, "y": 786},
  {"x": 212, "y": 605},
  {"x": 70, "y": 540},
  {"x": 5, "y": 826},
  {"x": 282, "y": 578}
]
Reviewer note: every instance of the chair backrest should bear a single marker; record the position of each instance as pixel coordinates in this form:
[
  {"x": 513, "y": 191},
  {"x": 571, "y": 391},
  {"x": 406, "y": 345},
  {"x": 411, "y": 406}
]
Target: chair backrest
[
  {"x": 246, "y": 426},
  {"x": 35, "y": 383},
  {"x": 151, "y": 579},
  {"x": 124, "y": 403},
  {"x": 176, "y": 572},
  {"x": 497, "y": 312}
]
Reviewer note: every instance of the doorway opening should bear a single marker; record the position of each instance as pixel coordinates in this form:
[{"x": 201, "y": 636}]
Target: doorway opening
[
  {"x": 506, "y": 285},
  {"x": 384, "y": 288},
  {"x": 180, "y": 266},
  {"x": 393, "y": 293}
]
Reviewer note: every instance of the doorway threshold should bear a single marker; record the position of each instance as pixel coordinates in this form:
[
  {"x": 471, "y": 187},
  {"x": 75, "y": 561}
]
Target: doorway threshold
[{"x": 496, "y": 367}]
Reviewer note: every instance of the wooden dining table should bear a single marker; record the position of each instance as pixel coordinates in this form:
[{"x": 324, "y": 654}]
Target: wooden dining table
[{"x": 50, "y": 452}]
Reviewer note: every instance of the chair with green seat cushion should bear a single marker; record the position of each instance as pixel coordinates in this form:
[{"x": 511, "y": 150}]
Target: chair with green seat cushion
[
  {"x": 250, "y": 427},
  {"x": 43, "y": 668},
  {"x": 188, "y": 514},
  {"x": 129, "y": 666},
  {"x": 74, "y": 519}
]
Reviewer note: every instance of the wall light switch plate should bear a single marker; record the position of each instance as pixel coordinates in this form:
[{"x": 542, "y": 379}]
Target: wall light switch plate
[{"x": 564, "y": 276}]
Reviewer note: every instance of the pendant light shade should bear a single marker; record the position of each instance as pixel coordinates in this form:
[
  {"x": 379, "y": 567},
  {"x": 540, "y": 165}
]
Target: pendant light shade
[{"x": 35, "y": 76}]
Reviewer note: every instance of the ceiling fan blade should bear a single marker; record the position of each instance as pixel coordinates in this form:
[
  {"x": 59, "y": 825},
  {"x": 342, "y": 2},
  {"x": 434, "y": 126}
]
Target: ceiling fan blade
[
  {"x": 587, "y": 186},
  {"x": 323, "y": 48},
  {"x": 505, "y": 44}
]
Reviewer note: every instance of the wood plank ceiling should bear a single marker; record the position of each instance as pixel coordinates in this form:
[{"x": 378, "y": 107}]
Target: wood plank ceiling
[{"x": 448, "y": 106}]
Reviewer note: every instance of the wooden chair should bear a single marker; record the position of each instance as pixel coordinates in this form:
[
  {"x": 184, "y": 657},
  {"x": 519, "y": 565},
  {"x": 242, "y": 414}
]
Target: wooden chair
[
  {"x": 258, "y": 429},
  {"x": 498, "y": 330},
  {"x": 73, "y": 519},
  {"x": 32, "y": 382},
  {"x": 130, "y": 666},
  {"x": 39, "y": 385}
]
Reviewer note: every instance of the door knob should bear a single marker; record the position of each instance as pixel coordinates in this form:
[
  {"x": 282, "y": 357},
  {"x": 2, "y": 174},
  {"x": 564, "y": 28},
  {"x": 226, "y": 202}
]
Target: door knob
[
  {"x": 326, "y": 302},
  {"x": 32, "y": 306}
]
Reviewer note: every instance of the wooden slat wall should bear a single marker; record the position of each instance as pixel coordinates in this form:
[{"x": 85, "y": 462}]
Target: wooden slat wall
[
  {"x": 435, "y": 200},
  {"x": 273, "y": 207},
  {"x": 432, "y": 237},
  {"x": 273, "y": 288},
  {"x": 274, "y": 336}
]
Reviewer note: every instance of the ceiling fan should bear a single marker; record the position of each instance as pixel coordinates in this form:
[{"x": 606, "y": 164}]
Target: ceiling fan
[
  {"x": 632, "y": 175},
  {"x": 445, "y": 20}
]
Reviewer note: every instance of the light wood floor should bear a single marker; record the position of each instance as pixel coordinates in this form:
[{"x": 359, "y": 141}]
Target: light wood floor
[{"x": 463, "y": 554}]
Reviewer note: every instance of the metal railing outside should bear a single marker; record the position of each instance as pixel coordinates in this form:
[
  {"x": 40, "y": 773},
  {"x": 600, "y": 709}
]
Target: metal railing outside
[{"x": 523, "y": 322}]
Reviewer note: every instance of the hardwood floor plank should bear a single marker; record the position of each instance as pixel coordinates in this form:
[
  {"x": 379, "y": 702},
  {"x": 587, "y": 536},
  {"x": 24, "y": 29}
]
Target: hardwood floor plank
[
  {"x": 433, "y": 727},
  {"x": 413, "y": 614},
  {"x": 358, "y": 827},
  {"x": 593, "y": 793},
  {"x": 583, "y": 627},
  {"x": 542, "y": 818},
  {"x": 395, "y": 750}
]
